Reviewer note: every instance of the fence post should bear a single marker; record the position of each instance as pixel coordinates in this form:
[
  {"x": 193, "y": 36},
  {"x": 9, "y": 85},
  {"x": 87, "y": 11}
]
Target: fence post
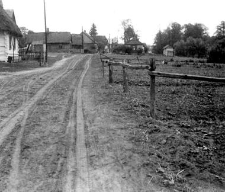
[
  {"x": 103, "y": 70},
  {"x": 152, "y": 88},
  {"x": 110, "y": 73},
  {"x": 125, "y": 81}
]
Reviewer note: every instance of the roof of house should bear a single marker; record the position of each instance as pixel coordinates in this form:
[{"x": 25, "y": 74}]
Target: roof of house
[
  {"x": 11, "y": 14},
  {"x": 7, "y": 24},
  {"x": 88, "y": 38},
  {"x": 76, "y": 39},
  {"x": 53, "y": 37},
  {"x": 59, "y": 37},
  {"x": 168, "y": 47},
  {"x": 101, "y": 39},
  {"x": 134, "y": 42}
]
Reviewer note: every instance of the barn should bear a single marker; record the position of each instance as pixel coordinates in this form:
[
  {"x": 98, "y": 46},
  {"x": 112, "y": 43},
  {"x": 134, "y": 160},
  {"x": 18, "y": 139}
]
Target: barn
[{"x": 9, "y": 34}]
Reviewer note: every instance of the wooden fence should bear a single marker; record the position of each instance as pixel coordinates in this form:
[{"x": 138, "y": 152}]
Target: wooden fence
[
  {"x": 151, "y": 67},
  {"x": 24, "y": 55}
]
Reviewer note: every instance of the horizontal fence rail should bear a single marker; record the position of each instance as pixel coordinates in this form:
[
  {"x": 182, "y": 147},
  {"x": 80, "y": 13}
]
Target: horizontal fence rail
[{"x": 149, "y": 65}]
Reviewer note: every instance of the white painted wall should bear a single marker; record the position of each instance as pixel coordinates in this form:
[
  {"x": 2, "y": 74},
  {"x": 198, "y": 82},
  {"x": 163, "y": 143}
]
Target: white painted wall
[
  {"x": 5, "y": 52},
  {"x": 3, "y": 56}
]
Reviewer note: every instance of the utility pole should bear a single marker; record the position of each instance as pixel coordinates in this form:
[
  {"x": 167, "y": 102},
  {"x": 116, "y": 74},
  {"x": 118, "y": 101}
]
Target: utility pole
[
  {"x": 82, "y": 40},
  {"x": 46, "y": 38}
]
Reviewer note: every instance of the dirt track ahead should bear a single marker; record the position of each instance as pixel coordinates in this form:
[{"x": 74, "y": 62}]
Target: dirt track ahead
[
  {"x": 41, "y": 120},
  {"x": 58, "y": 135}
]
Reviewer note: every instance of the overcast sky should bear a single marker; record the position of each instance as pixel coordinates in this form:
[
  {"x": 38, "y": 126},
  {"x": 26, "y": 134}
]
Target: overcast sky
[{"x": 147, "y": 16}]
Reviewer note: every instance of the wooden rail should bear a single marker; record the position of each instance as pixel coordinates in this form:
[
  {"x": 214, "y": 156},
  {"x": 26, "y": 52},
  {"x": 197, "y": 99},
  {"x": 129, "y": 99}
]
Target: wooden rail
[{"x": 151, "y": 67}]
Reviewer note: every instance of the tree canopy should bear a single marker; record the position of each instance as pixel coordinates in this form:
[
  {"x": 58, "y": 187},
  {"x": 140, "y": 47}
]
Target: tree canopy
[
  {"x": 220, "y": 31},
  {"x": 129, "y": 32},
  {"x": 93, "y": 30}
]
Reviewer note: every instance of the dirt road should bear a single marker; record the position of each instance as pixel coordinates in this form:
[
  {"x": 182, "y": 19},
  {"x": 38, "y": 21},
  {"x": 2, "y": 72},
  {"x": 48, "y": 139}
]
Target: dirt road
[{"x": 54, "y": 137}]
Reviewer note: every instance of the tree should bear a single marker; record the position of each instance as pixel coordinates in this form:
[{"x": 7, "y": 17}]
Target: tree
[
  {"x": 22, "y": 40},
  {"x": 129, "y": 32},
  {"x": 196, "y": 31},
  {"x": 180, "y": 48},
  {"x": 217, "y": 52},
  {"x": 175, "y": 33},
  {"x": 160, "y": 41},
  {"x": 93, "y": 30},
  {"x": 220, "y": 31}
]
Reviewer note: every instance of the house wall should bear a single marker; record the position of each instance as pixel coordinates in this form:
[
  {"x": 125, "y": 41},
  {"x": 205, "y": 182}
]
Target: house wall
[
  {"x": 5, "y": 50},
  {"x": 91, "y": 47},
  {"x": 168, "y": 52},
  {"x": 10, "y": 51},
  {"x": 3, "y": 54},
  {"x": 58, "y": 47}
]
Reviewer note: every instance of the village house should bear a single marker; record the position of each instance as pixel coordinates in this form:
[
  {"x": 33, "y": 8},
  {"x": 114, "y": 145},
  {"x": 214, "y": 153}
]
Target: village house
[
  {"x": 89, "y": 43},
  {"x": 9, "y": 34},
  {"x": 103, "y": 44},
  {"x": 135, "y": 44},
  {"x": 168, "y": 51},
  {"x": 57, "y": 41}
]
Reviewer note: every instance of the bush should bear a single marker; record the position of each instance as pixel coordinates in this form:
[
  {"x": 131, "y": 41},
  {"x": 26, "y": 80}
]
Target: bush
[
  {"x": 139, "y": 51},
  {"x": 217, "y": 52}
]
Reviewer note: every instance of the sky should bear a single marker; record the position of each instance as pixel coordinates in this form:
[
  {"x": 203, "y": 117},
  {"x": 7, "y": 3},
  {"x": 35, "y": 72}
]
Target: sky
[{"x": 147, "y": 16}]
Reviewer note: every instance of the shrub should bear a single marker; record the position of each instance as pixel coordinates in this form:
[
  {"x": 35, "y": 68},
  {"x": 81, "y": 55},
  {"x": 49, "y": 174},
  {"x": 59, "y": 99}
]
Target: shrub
[{"x": 139, "y": 51}]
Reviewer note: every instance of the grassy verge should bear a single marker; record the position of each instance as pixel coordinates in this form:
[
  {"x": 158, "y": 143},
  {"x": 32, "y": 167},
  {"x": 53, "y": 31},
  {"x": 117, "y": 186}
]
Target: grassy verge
[{"x": 28, "y": 64}]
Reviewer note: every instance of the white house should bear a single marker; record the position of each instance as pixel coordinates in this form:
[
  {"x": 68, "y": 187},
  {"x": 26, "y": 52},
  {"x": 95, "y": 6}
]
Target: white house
[
  {"x": 9, "y": 34},
  {"x": 168, "y": 51}
]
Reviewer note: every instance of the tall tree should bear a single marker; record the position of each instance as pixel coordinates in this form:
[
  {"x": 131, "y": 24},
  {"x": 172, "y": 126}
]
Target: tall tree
[
  {"x": 175, "y": 33},
  {"x": 160, "y": 41},
  {"x": 93, "y": 30},
  {"x": 196, "y": 31},
  {"x": 220, "y": 31},
  {"x": 129, "y": 32}
]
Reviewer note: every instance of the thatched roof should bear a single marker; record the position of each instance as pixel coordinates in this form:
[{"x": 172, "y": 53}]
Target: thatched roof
[
  {"x": 134, "y": 42},
  {"x": 7, "y": 24},
  {"x": 35, "y": 37},
  {"x": 11, "y": 14},
  {"x": 53, "y": 37},
  {"x": 101, "y": 39},
  {"x": 76, "y": 39},
  {"x": 59, "y": 37}
]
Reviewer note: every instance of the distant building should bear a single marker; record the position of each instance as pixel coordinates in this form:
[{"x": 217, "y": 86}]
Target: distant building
[
  {"x": 135, "y": 44},
  {"x": 89, "y": 43},
  {"x": 57, "y": 41},
  {"x": 168, "y": 51},
  {"x": 9, "y": 34}
]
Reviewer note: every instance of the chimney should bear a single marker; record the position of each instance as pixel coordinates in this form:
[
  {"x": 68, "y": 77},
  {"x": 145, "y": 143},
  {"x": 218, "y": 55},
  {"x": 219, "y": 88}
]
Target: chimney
[{"x": 1, "y": 4}]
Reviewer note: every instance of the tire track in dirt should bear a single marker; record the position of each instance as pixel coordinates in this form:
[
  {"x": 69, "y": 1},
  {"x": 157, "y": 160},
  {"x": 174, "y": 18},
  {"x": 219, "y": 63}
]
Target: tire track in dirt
[
  {"x": 77, "y": 165},
  {"x": 15, "y": 172},
  {"x": 9, "y": 123}
]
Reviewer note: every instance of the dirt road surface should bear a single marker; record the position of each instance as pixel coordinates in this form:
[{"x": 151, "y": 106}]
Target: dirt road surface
[{"x": 55, "y": 136}]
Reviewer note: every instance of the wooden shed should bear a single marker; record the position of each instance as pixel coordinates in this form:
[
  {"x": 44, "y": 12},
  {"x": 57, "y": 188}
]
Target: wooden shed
[{"x": 168, "y": 51}]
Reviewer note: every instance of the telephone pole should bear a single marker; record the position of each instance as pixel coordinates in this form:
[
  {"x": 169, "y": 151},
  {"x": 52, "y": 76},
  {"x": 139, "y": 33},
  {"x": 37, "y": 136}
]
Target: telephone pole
[
  {"x": 46, "y": 38},
  {"x": 82, "y": 40}
]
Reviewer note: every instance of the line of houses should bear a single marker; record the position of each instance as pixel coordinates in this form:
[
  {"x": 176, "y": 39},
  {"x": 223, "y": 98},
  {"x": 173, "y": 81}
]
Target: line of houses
[
  {"x": 65, "y": 41},
  {"x": 57, "y": 41}
]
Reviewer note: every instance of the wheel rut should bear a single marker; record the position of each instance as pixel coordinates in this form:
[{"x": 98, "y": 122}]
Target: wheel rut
[
  {"x": 77, "y": 178},
  {"x": 18, "y": 119}
]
